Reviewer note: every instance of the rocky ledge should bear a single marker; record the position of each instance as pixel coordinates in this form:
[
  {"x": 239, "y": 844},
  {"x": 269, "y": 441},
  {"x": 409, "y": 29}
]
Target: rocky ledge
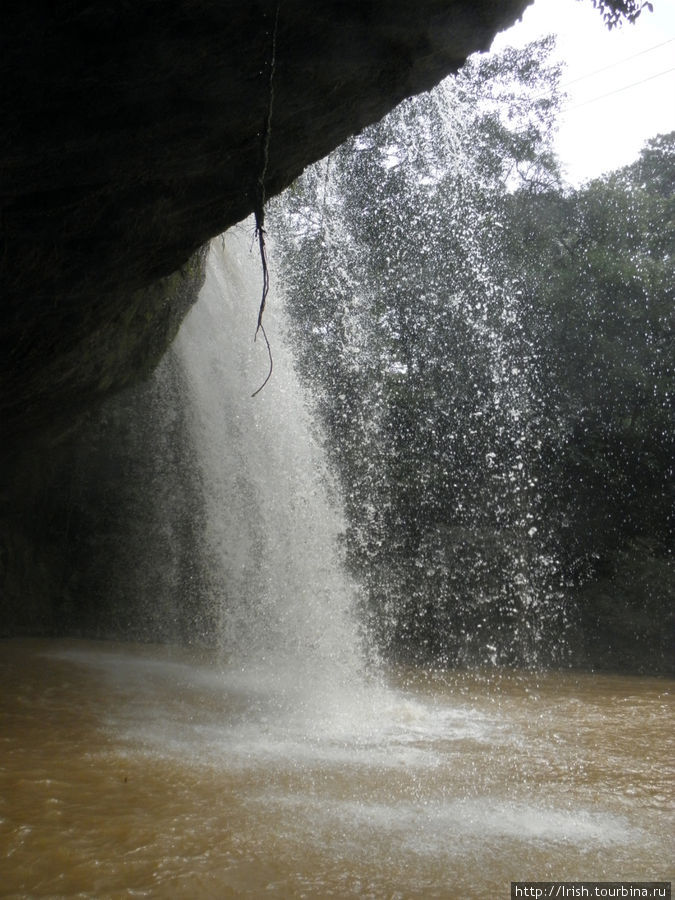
[{"x": 134, "y": 132}]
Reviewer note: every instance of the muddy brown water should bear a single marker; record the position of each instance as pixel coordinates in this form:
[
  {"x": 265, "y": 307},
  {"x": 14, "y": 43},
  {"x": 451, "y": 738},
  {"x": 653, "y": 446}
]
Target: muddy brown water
[{"x": 141, "y": 771}]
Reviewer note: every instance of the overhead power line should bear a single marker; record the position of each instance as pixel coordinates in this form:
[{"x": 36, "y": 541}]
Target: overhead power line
[
  {"x": 619, "y": 90},
  {"x": 618, "y": 62}
]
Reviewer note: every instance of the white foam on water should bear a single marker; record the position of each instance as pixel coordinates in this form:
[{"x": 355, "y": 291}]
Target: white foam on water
[
  {"x": 234, "y": 717},
  {"x": 447, "y": 827}
]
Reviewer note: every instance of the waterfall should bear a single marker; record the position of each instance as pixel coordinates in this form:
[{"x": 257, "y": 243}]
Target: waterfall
[
  {"x": 273, "y": 766},
  {"x": 280, "y": 597}
]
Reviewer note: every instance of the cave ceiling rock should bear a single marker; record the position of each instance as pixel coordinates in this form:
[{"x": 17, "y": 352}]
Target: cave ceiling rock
[{"x": 132, "y": 134}]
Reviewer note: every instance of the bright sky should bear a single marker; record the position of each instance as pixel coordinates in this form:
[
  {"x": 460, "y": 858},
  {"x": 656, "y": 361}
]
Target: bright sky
[{"x": 609, "y": 114}]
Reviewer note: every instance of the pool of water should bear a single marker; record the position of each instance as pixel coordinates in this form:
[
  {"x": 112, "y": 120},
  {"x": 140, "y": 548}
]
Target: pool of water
[{"x": 144, "y": 771}]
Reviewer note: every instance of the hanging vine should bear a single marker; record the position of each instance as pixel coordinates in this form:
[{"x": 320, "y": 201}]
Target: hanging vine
[{"x": 260, "y": 200}]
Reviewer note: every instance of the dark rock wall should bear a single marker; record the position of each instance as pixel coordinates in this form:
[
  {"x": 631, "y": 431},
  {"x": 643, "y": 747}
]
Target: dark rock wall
[
  {"x": 103, "y": 535},
  {"x": 133, "y": 132},
  {"x": 64, "y": 363},
  {"x": 87, "y": 502}
]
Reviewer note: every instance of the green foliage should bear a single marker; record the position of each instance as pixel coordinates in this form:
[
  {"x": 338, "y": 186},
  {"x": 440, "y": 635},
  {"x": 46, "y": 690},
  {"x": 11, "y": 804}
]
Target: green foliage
[
  {"x": 615, "y": 12},
  {"x": 609, "y": 334}
]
